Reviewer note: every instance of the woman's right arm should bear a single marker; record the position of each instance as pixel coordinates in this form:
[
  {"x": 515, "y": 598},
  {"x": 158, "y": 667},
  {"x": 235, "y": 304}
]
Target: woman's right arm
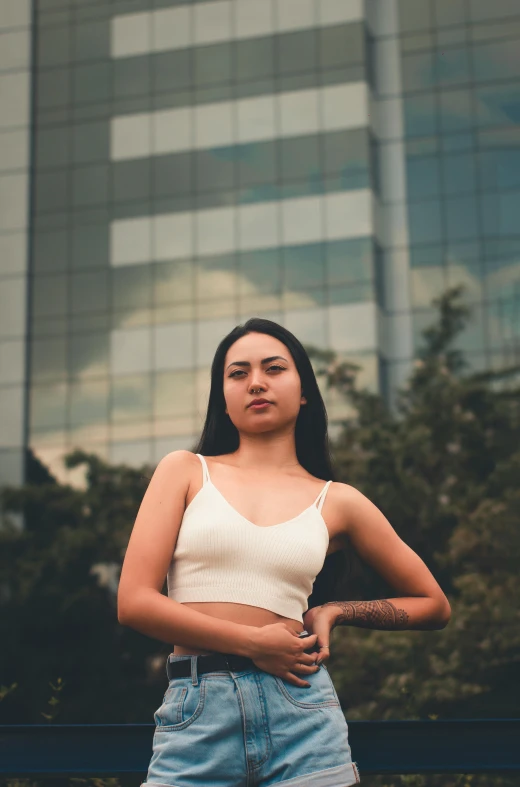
[{"x": 140, "y": 602}]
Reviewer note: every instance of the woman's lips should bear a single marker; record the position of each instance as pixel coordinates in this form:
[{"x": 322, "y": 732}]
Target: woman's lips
[{"x": 260, "y": 406}]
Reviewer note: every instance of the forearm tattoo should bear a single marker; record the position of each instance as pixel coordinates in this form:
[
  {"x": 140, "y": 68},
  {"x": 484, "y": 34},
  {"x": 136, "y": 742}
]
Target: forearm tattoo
[{"x": 370, "y": 615}]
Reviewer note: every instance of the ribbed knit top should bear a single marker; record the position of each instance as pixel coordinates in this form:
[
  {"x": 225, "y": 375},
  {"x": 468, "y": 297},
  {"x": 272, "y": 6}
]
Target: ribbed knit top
[{"x": 222, "y": 556}]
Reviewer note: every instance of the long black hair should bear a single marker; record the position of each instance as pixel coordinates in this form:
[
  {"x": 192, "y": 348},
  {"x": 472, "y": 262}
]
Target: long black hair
[{"x": 220, "y": 436}]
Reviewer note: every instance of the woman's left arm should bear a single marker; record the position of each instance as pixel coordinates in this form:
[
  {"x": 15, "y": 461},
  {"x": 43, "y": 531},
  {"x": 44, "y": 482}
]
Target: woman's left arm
[{"x": 421, "y": 603}]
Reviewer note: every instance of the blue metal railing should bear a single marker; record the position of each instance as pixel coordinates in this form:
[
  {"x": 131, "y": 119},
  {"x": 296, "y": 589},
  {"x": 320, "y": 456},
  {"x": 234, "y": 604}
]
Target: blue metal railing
[{"x": 379, "y": 747}]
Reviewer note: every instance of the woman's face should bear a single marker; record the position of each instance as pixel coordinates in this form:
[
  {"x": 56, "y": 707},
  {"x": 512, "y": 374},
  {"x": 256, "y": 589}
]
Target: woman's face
[{"x": 261, "y": 364}]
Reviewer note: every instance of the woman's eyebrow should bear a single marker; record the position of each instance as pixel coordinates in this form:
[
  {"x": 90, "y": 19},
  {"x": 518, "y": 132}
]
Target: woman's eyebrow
[{"x": 264, "y": 360}]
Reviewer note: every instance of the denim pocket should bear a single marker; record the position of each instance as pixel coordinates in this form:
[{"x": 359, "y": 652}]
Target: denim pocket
[
  {"x": 181, "y": 705},
  {"x": 320, "y": 694}
]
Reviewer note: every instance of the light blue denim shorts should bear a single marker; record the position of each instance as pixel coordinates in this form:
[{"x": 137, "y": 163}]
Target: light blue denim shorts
[{"x": 250, "y": 729}]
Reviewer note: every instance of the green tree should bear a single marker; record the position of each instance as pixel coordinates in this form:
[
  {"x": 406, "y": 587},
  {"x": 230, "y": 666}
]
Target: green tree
[
  {"x": 58, "y": 621},
  {"x": 444, "y": 468}
]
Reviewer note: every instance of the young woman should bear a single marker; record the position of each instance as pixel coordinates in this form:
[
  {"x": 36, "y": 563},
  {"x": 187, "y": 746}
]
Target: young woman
[{"x": 244, "y": 530}]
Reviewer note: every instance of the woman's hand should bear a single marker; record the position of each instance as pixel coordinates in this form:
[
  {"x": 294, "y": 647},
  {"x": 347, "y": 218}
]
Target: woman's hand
[
  {"x": 278, "y": 649},
  {"x": 320, "y": 621}
]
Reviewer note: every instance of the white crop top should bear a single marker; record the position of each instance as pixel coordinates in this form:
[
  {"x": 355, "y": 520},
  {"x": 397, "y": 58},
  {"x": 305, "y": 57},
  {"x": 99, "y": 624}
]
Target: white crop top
[{"x": 222, "y": 556}]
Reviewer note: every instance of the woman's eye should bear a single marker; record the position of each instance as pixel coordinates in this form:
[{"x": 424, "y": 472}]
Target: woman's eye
[{"x": 274, "y": 366}]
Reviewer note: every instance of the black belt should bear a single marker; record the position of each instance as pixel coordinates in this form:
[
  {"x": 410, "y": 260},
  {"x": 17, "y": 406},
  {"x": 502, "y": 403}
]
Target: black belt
[{"x": 214, "y": 662}]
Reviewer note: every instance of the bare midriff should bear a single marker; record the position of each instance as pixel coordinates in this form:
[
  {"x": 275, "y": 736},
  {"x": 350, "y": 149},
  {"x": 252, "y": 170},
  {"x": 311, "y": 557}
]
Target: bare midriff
[{"x": 234, "y": 613}]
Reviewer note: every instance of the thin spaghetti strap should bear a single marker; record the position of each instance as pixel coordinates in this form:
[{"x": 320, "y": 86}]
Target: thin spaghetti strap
[
  {"x": 205, "y": 471},
  {"x": 322, "y": 495}
]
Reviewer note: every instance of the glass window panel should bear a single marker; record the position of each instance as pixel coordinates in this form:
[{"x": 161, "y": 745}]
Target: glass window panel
[
  {"x": 300, "y": 158},
  {"x": 216, "y": 277},
  {"x": 420, "y": 116},
  {"x": 353, "y": 293},
  {"x": 463, "y": 253},
  {"x": 86, "y": 322},
  {"x": 458, "y": 173},
  {"x": 502, "y": 248},
  {"x": 260, "y": 272},
  {"x": 254, "y": 59},
  {"x": 52, "y": 147},
  {"x": 132, "y": 452},
  {"x": 500, "y": 29},
  {"x": 304, "y": 188},
  {"x": 426, "y": 255},
  {"x": 341, "y": 45},
  {"x": 346, "y": 153},
  {"x": 131, "y": 351},
  {"x": 89, "y": 402},
  {"x": 49, "y": 296},
  {"x": 173, "y": 174},
  {"x": 90, "y": 184},
  {"x": 456, "y": 110},
  {"x": 303, "y": 266},
  {"x": 92, "y": 41},
  {"x": 88, "y": 354},
  {"x": 452, "y": 66},
  {"x": 172, "y": 70},
  {"x": 502, "y": 278},
  {"x": 213, "y": 94},
  {"x": 212, "y": 64},
  {"x": 416, "y": 42},
  {"x": 499, "y": 213},
  {"x": 499, "y": 138},
  {"x": 304, "y": 298},
  {"x": 174, "y": 393},
  {"x": 131, "y": 287},
  {"x": 174, "y": 345},
  {"x": 131, "y": 397},
  {"x": 215, "y": 168},
  {"x": 414, "y": 15},
  {"x": 131, "y": 179},
  {"x": 50, "y": 251},
  {"x": 89, "y": 291},
  {"x": 424, "y": 222},
  {"x": 92, "y": 82},
  {"x": 498, "y": 60},
  {"x": 450, "y": 12},
  {"x": 451, "y": 35},
  {"x": 422, "y": 177},
  {"x": 418, "y": 71},
  {"x": 256, "y": 162},
  {"x": 54, "y": 46},
  {"x": 349, "y": 261},
  {"x": 258, "y": 87},
  {"x": 461, "y": 217},
  {"x": 422, "y": 147},
  {"x": 48, "y": 406},
  {"x": 90, "y": 246},
  {"x": 468, "y": 275},
  {"x": 132, "y": 76},
  {"x": 53, "y": 88},
  {"x": 48, "y": 359},
  {"x": 498, "y": 105},
  {"x": 426, "y": 284},
  {"x": 499, "y": 169},
  {"x": 51, "y": 191},
  {"x": 173, "y": 282},
  {"x": 296, "y": 51},
  {"x": 483, "y": 9}
]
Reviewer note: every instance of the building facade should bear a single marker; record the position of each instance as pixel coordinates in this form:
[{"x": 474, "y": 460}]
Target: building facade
[{"x": 170, "y": 169}]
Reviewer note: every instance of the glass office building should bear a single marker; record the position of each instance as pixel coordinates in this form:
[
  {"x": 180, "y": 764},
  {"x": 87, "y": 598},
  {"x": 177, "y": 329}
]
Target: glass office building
[{"x": 169, "y": 169}]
